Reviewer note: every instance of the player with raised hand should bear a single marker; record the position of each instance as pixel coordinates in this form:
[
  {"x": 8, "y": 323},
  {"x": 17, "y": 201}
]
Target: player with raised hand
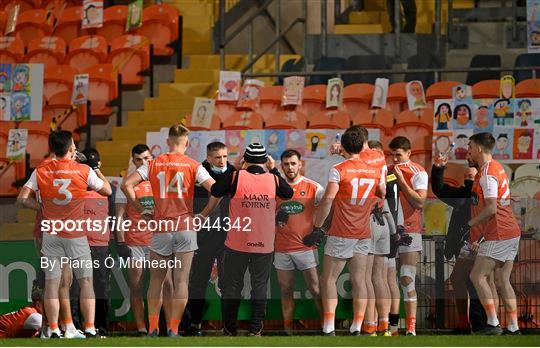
[
  {"x": 494, "y": 234},
  {"x": 172, "y": 176},
  {"x": 351, "y": 189},
  {"x": 63, "y": 184},
  {"x": 412, "y": 180},
  {"x": 290, "y": 252}
]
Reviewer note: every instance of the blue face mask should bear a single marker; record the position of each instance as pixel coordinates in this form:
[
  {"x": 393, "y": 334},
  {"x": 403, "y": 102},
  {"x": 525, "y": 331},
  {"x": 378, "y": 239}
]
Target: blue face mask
[{"x": 218, "y": 170}]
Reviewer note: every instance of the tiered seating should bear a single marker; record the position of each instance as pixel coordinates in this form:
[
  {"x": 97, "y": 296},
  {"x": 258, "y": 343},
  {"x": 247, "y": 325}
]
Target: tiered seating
[
  {"x": 48, "y": 50},
  {"x": 32, "y": 24},
  {"x": 132, "y": 54},
  {"x": 160, "y": 26}
]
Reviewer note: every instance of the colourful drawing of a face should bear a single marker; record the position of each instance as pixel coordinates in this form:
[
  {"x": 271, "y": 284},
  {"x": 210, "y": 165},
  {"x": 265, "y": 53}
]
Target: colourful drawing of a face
[
  {"x": 502, "y": 104},
  {"x": 535, "y": 38},
  {"x": 524, "y": 142},
  {"x": 92, "y": 14},
  {"x": 416, "y": 90},
  {"x": 442, "y": 144},
  {"x": 201, "y": 112},
  {"x": 507, "y": 89},
  {"x": 334, "y": 93},
  {"x": 460, "y": 93},
  {"x": 273, "y": 139},
  {"x": 502, "y": 142},
  {"x": 135, "y": 15},
  {"x": 18, "y": 106},
  {"x": 463, "y": 115},
  {"x": 21, "y": 76},
  {"x": 234, "y": 141},
  {"x": 525, "y": 106},
  {"x": 444, "y": 109},
  {"x": 230, "y": 85},
  {"x": 462, "y": 141}
]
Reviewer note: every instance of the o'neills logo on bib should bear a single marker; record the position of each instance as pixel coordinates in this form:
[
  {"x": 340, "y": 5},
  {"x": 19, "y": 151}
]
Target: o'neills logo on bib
[
  {"x": 256, "y": 201},
  {"x": 258, "y": 245}
]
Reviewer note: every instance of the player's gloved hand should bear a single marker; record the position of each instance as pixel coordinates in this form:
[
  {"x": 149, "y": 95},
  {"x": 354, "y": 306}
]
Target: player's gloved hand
[
  {"x": 123, "y": 250},
  {"x": 377, "y": 213},
  {"x": 315, "y": 237},
  {"x": 403, "y": 238},
  {"x": 93, "y": 162},
  {"x": 282, "y": 217},
  {"x": 147, "y": 214}
]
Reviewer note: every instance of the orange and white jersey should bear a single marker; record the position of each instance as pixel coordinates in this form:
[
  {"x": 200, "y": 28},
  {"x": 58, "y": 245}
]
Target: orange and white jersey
[
  {"x": 62, "y": 186},
  {"x": 143, "y": 193},
  {"x": 96, "y": 208},
  {"x": 173, "y": 177},
  {"x": 22, "y": 323},
  {"x": 301, "y": 209},
  {"x": 375, "y": 158},
  {"x": 354, "y": 201},
  {"x": 492, "y": 182},
  {"x": 417, "y": 178}
]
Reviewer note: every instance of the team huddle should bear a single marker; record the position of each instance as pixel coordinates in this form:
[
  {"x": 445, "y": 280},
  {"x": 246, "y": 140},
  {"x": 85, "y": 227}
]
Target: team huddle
[{"x": 369, "y": 218}]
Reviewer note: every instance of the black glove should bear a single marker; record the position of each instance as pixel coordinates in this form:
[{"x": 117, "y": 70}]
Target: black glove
[
  {"x": 403, "y": 238},
  {"x": 315, "y": 237},
  {"x": 281, "y": 217},
  {"x": 93, "y": 163},
  {"x": 123, "y": 250},
  {"x": 378, "y": 215}
]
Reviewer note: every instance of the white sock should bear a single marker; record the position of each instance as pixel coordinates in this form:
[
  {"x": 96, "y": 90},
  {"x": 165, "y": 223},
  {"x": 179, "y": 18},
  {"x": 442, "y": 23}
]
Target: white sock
[
  {"x": 512, "y": 325},
  {"x": 56, "y": 331},
  {"x": 91, "y": 330},
  {"x": 492, "y": 320},
  {"x": 355, "y": 326},
  {"x": 329, "y": 322},
  {"x": 70, "y": 327}
]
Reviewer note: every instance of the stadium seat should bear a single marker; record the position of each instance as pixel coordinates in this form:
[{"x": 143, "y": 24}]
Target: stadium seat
[
  {"x": 289, "y": 119},
  {"x": 131, "y": 55},
  {"x": 454, "y": 174},
  {"x": 416, "y": 125},
  {"x": 3, "y": 20},
  {"x": 422, "y": 61},
  {"x": 224, "y": 109},
  {"x": 357, "y": 97},
  {"x": 3, "y": 139},
  {"x": 377, "y": 118},
  {"x": 215, "y": 124},
  {"x": 86, "y": 52},
  {"x": 114, "y": 22},
  {"x": 10, "y": 172},
  {"x": 528, "y": 89},
  {"x": 37, "y": 146},
  {"x": 422, "y": 157},
  {"x": 526, "y": 60},
  {"x": 243, "y": 120},
  {"x": 369, "y": 62},
  {"x": 440, "y": 90},
  {"x": 331, "y": 119},
  {"x": 32, "y": 24},
  {"x": 57, "y": 105},
  {"x": 25, "y": 5},
  {"x": 313, "y": 99},
  {"x": 11, "y": 50},
  {"x": 484, "y": 61},
  {"x": 68, "y": 26},
  {"x": 397, "y": 97},
  {"x": 270, "y": 100},
  {"x": 102, "y": 89},
  {"x": 57, "y": 79},
  {"x": 292, "y": 65},
  {"x": 326, "y": 64},
  {"x": 48, "y": 50},
  {"x": 529, "y": 169},
  {"x": 160, "y": 26},
  {"x": 486, "y": 89}
]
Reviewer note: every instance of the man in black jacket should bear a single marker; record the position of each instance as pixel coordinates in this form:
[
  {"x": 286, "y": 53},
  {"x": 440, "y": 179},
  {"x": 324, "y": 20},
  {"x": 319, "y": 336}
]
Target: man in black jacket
[
  {"x": 459, "y": 198},
  {"x": 210, "y": 238}
]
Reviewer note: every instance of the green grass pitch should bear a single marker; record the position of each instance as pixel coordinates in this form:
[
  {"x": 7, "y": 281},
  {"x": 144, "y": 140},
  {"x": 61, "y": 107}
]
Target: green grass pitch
[{"x": 299, "y": 341}]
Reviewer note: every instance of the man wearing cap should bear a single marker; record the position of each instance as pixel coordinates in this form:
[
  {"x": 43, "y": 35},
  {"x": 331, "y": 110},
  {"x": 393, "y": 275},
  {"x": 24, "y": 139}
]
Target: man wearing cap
[{"x": 250, "y": 238}]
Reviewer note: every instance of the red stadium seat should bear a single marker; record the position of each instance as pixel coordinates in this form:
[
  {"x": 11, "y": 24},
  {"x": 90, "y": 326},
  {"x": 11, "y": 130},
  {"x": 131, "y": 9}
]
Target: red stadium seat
[
  {"x": 3, "y": 20},
  {"x": 131, "y": 55},
  {"x": 417, "y": 126},
  {"x": 57, "y": 105},
  {"x": 10, "y": 172},
  {"x": 270, "y": 100},
  {"x": 441, "y": 90},
  {"x": 11, "y": 50},
  {"x": 57, "y": 79},
  {"x": 102, "y": 89},
  {"x": 397, "y": 97},
  {"x": 214, "y": 125},
  {"x": 25, "y": 5},
  {"x": 313, "y": 99},
  {"x": 331, "y": 119},
  {"x": 224, "y": 109},
  {"x": 377, "y": 118},
  {"x": 3, "y": 140},
  {"x": 68, "y": 26},
  {"x": 243, "y": 120},
  {"x": 37, "y": 146},
  {"x": 289, "y": 119},
  {"x": 422, "y": 157},
  {"x": 86, "y": 52},
  {"x": 486, "y": 89},
  {"x": 160, "y": 26},
  {"x": 528, "y": 89},
  {"x": 357, "y": 97},
  {"x": 114, "y": 22},
  {"x": 32, "y": 24},
  {"x": 48, "y": 50}
]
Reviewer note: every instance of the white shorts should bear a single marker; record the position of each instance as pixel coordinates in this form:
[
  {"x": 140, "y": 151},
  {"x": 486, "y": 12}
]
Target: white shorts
[
  {"x": 466, "y": 253},
  {"x": 300, "y": 260},
  {"x": 167, "y": 243},
  {"x": 345, "y": 248},
  {"x": 500, "y": 250},
  {"x": 139, "y": 252},
  {"x": 380, "y": 238},
  {"x": 56, "y": 249},
  {"x": 416, "y": 244}
]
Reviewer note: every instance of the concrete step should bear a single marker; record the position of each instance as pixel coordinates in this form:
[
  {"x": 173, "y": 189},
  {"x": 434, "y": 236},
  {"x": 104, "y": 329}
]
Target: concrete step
[
  {"x": 17, "y": 231},
  {"x": 26, "y": 215},
  {"x": 358, "y": 29},
  {"x": 365, "y": 17},
  {"x": 184, "y": 90},
  {"x": 168, "y": 104},
  {"x": 193, "y": 8},
  {"x": 132, "y": 133},
  {"x": 197, "y": 45},
  {"x": 211, "y": 61},
  {"x": 156, "y": 117},
  {"x": 196, "y": 75}
]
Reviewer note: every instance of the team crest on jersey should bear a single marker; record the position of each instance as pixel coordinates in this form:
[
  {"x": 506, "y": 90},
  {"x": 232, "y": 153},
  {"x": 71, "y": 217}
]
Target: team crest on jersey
[
  {"x": 292, "y": 207},
  {"x": 302, "y": 193},
  {"x": 474, "y": 198}
]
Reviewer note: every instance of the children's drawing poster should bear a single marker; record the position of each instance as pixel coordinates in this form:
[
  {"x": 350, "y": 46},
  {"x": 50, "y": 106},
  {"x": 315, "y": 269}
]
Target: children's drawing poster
[
  {"x": 16, "y": 147},
  {"x": 507, "y": 87},
  {"x": 293, "y": 87},
  {"x": 80, "y": 89},
  {"x": 5, "y": 78},
  {"x": 503, "y": 112},
  {"x": 157, "y": 142},
  {"x": 442, "y": 144},
  {"x": 229, "y": 85},
  {"x": 250, "y": 95},
  {"x": 523, "y": 143},
  {"x": 442, "y": 115},
  {"x": 203, "y": 112},
  {"x": 135, "y": 13},
  {"x": 504, "y": 142},
  {"x": 533, "y": 26},
  {"x": 5, "y": 106},
  {"x": 234, "y": 139},
  {"x": 462, "y": 115},
  {"x": 13, "y": 15},
  {"x": 334, "y": 93},
  {"x": 295, "y": 139},
  {"x": 275, "y": 142},
  {"x": 461, "y": 141},
  {"x": 22, "y": 96},
  {"x": 92, "y": 16},
  {"x": 415, "y": 95},
  {"x": 316, "y": 143},
  {"x": 380, "y": 93},
  {"x": 525, "y": 114},
  {"x": 254, "y": 136}
]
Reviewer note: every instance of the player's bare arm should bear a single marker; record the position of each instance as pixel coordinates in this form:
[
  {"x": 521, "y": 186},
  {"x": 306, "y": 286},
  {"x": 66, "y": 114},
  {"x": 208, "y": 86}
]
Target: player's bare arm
[
  {"x": 27, "y": 198},
  {"x": 128, "y": 187},
  {"x": 326, "y": 204},
  {"x": 106, "y": 190},
  {"x": 489, "y": 211}
]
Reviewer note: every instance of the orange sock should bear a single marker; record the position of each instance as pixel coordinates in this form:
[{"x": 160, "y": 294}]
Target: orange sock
[
  {"x": 88, "y": 326},
  {"x": 53, "y": 326},
  {"x": 369, "y": 328},
  {"x": 287, "y": 323},
  {"x": 173, "y": 326},
  {"x": 328, "y": 324},
  {"x": 153, "y": 323},
  {"x": 491, "y": 314},
  {"x": 411, "y": 324},
  {"x": 357, "y": 323},
  {"x": 383, "y": 325}
]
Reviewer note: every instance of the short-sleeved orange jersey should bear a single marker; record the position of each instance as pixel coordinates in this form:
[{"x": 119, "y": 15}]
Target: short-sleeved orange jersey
[
  {"x": 492, "y": 182},
  {"x": 300, "y": 208},
  {"x": 354, "y": 201},
  {"x": 62, "y": 186},
  {"x": 143, "y": 193},
  {"x": 12, "y": 324}
]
